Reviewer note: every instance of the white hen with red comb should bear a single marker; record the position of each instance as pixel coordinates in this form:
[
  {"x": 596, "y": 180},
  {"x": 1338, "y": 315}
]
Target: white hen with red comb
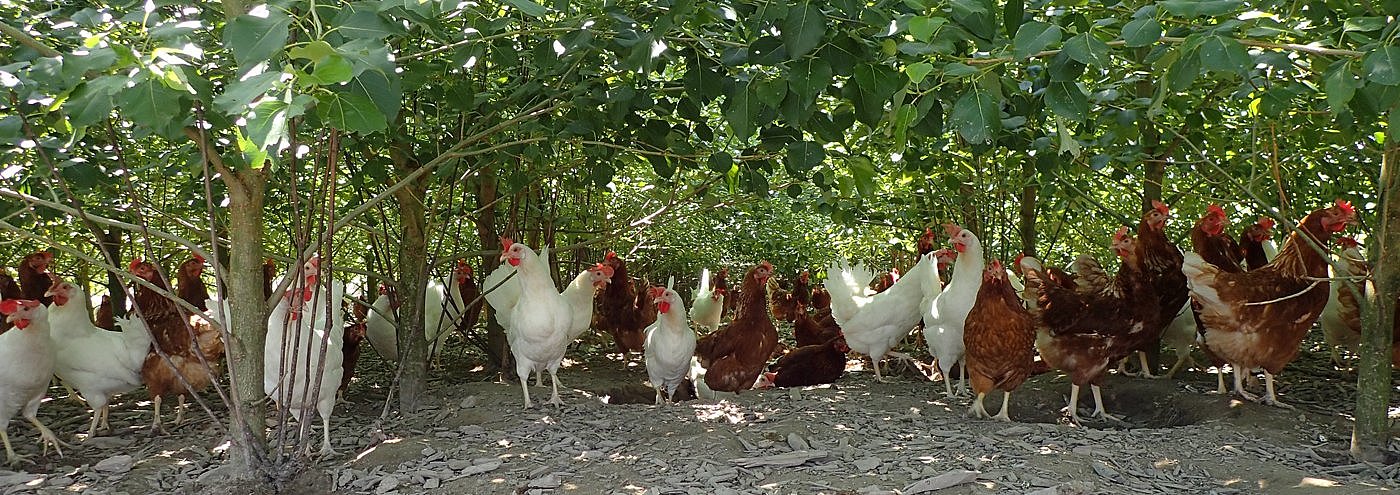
[{"x": 26, "y": 365}]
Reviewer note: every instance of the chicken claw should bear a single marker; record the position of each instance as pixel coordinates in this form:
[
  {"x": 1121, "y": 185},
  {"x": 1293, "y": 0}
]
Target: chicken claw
[
  {"x": 1239, "y": 385},
  {"x": 47, "y": 438},
  {"x": 1270, "y": 398}
]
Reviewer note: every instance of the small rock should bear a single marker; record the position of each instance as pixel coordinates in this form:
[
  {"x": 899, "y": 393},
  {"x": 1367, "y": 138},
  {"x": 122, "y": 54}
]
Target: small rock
[
  {"x": 1014, "y": 431},
  {"x": 949, "y": 479},
  {"x": 548, "y": 481},
  {"x": 458, "y": 464},
  {"x": 1104, "y": 470},
  {"x": 1071, "y": 488},
  {"x": 428, "y": 451},
  {"x": 116, "y": 464},
  {"x": 797, "y": 442},
  {"x": 60, "y": 481},
  {"x": 868, "y": 464},
  {"x": 795, "y": 393},
  {"x": 468, "y": 402},
  {"x": 18, "y": 479},
  {"x": 431, "y": 484},
  {"x": 481, "y": 468},
  {"x": 387, "y": 484}
]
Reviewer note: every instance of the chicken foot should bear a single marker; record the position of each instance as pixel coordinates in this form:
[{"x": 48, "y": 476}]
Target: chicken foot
[
  {"x": 1098, "y": 405},
  {"x": 156, "y": 428},
  {"x": 98, "y": 416},
  {"x": 554, "y": 392},
  {"x": 46, "y": 436},
  {"x": 1239, "y": 384},
  {"x": 1145, "y": 370},
  {"x": 1181, "y": 360},
  {"x": 1269, "y": 397},
  {"x": 180, "y": 410},
  {"x": 1005, "y": 407},
  {"x": 326, "y": 449},
  {"x": 978, "y": 410}
]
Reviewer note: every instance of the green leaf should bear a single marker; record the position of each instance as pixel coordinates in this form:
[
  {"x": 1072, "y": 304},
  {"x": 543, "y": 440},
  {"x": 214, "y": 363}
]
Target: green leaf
[
  {"x": 720, "y": 162},
  {"x": 151, "y": 104},
  {"x": 1012, "y": 15},
  {"x": 1067, "y": 142},
  {"x": 1182, "y": 73},
  {"x": 805, "y": 155},
  {"x": 529, "y": 7},
  {"x": 88, "y": 105},
  {"x": 254, "y": 39},
  {"x": 236, "y": 98},
  {"x": 1196, "y": 8},
  {"x": 808, "y": 78},
  {"x": 958, "y": 69},
  {"x": 741, "y": 111},
  {"x": 1364, "y": 24},
  {"x": 267, "y": 125},
  {"x": 1142, "y": 32},
  {"x": 358, "y": 21},
  {"x": 771, "y": 91},
  {"x": 1382, "y": 65},
  {"x": 918, "y": 71},
  {"x": 1033, "y": 37},
  {"x": 1340, "y": 85},
  {"x": 313, "y": 51},
  {"x": 863, "y": 171},
  {"x": 1067, "y": 100},
  {"x": 922, "y": 28},
  {"x": 1088, "y": 50},
  {"x": 803, "y": 30},
  {"x": 976, "y": 116},
  {"x": 794, "y": 190},
  {"x": 350, "y": 112},
  {"x": 330, "y": 71},
  {"x": 1221, "y": 54}
]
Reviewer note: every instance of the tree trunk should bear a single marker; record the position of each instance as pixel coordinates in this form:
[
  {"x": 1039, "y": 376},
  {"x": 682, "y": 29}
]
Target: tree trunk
[
  {"x": 248, "y": 321},
  {"x": 111, "y": 246},
  {"x": 1372, "y": 431},
  {"x": 1154, "y": 171},
  {"x": 413, "y": 283},
  {"x": 498, "y": 349},
  {"x": 1028, "y": 194}
]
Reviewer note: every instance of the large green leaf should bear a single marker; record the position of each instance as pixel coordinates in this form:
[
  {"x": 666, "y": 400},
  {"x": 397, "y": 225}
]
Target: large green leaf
[
  {"x": 350, "y": 112},
  {"x": 805, "y": 155},
  {"x": 1340, "y": 85},
  {"x": 151, "y": 104},
  {"x": 923, "y": 28},
  {"x": 1141, "y": 32},
  {"x": 529, "y": 7},
  {"x": 267, "y": 125},
  {"x": 254, "y": 39},
  {"x": 741, "y": 111},
  {"x": 1012, "y": 15},
  {"x": 1067, "y": 100},
  {"x": 92, "y": 102},
  {"x": 863, "y": 171},
  {"x": 918, "y": 71},
  {"x": 242, "y": 92},
  {"x": 976, "y": 116},
  {"x": 331, "y": 70},
  {"x": 1221, "y": 54},
  {"x": 808, "y": 78},
  {"x": 1196, "y": 8},
  {"x": 1182, "y": 73},
  {"x": 1382, "y": 65},
  {"x": 1033, "y": 37},
  {"x": 361, "y": 21},
  {"x": 803, "y": 29},
  {"x": 1088, "y": 50}
]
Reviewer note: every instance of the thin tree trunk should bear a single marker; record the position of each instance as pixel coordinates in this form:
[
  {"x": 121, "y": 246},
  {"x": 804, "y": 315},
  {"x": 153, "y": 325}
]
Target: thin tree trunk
[
  {"x": 248, "y": 318},
  {"x": 1028, "y": 198},
  {"x": 1372, "y": 432},
  {"x": 498, "y": 349},
  {"x": 413, "y": 283},
  {"x": 111, "y": 246}
]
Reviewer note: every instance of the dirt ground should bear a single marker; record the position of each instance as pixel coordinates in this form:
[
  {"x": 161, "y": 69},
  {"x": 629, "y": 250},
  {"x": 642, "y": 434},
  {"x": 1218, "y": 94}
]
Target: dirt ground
[{"x": 858, "y": 436}]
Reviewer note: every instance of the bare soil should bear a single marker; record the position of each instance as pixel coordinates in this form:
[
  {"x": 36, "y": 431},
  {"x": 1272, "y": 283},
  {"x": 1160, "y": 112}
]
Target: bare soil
[{"x": 857, "y": 436}]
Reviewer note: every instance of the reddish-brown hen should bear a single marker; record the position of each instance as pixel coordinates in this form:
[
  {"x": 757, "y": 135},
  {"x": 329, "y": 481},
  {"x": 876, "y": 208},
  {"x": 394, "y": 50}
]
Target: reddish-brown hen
[
  {"x": 1000, "y": 339},
  {"x": 1252, "y": 240},
  {"x": 171, "y": 332},
  {"x": 1161, "y": 261},
  {"x": 736, "y": 354},
  {"x": 814, "y": 328},
  {"x": 809, "y": 365},
  {"x": 188, "y": 284},
  {"x": 1209, "y": 240},
  {"x": 617, "y": 310},
  {"x": 9, "y": 289},
  {"x": 106, "y": 319},
  {"x": 34, "y": 279},
  {"x": 1256, "y": 319}
]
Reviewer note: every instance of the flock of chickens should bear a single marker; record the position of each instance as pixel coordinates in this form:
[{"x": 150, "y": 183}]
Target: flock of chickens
[{"x": 993, "y": 325}]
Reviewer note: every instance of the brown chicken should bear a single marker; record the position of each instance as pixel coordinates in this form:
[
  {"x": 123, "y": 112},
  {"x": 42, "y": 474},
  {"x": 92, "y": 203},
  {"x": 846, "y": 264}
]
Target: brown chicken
[
  {"x": 1252, "y": 243},
  {"x": 736, "y": 354},
  {"x": 802, "y": 289},
  {"x": 354, "y": 335},
  {"x": 814, "y": 328},
  {"x": 189, "y": 343},
  {"x": 721, "y": 284},
  {"x": 1209, "y": 240},
  {"x": 1000, "y": 338},
  {"x": 1081, "y": 335},
  {"x": 1161, "y": 261},
  {"x": 821, "y": 299},
  {"x": 616, "y": 309},
  {"x": 927, "y": 243},
  {"x": 1257, "y": 319},
  {"x": 189, "y": 285},
  {"x": 269, "y": 270},
  {"x": 805, "y": 366},
  {"x": 106, "y": 319},
  {"x": 471, "y": 295},
  {"x": 783, "y": 302},
  {"x": 9, "y": 289},
  {"x": 34, "y": 278}
]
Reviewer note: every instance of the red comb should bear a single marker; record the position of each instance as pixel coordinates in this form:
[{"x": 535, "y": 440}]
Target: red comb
[
  {"x": 9, "y": 306},
  {"x": 1020, "y": 257},
  {"x": 1215, "y": 209},
  {"x": 656, "y": 292},
  {"x": 612, "y": 255},
  {"x": 1160, "y": 207},
  {"x": 1348, "y": 242},
  {"x": 952, "y": 229},
  {"x": 996, "y": 265},
  {"x": 1346, "y": 207},
  {"x": 607, "y": 270},
  {"x": 1121, "y": 233},
  {"x": 1266, "y": 222},
  {"x": 506, "y": 242},
  {"x": 198, "y": 258},
  {"x": 134, "y": 263}
]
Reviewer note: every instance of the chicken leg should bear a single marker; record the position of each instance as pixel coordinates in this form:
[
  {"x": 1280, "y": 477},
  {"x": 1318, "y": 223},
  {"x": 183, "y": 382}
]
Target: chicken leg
[
  {"x": 554, "y": 390},
  {"x": 156, "y": 428},
  {"x": 1005, "y": 406},
  {"x": 326, "y": 449},
  {"x": 978, "y": 410},
  {"x": 180, "y": 410},
  {"x": 1146, "y": 368},
  {"x": 10, "y": 456},
  {"x": 1239, "y": 385},
  {"x": 46, "y": 436},
  {"x": 1098, "y": 405},
  {"x": 1074, "y": 404},
  {"x": 1269, "y": 397}
]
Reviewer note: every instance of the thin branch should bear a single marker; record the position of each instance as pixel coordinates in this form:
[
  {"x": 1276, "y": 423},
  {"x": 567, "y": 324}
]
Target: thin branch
[{"x": 25, "y": 39}]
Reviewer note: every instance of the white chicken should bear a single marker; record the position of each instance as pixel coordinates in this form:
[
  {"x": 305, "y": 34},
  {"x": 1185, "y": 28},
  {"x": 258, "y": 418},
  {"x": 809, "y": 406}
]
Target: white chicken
[
  {"x": 439, "y": 319},
  {"x": 303, "y": 314},
  {"x": 26, "y": 365},
  {"x": 537, "y": 322},
  {"x": 579, "y": 294},
  {"x": 670, "y": 342},
  {"x": 97, "y": 362},
  {"x": 709, "y": 303},
  {"x": 874, "y": 323},
  {"x": 944, "y": 313},
  {"x": 1341, "y": 318}
]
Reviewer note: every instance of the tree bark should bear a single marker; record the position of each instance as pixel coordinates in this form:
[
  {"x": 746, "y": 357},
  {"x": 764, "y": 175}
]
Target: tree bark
[
  {"x": 498, "y": 349},
  {"x": 1371, "y": 431},
  {"x": 248, "y": 321},
  {"x": 413, "y": 283},
  {"x": 111, "y": 246}
]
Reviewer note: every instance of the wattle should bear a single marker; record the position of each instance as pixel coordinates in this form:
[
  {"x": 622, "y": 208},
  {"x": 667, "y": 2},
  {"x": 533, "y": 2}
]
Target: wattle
[
  {"x": 664, "y": 307},
  {"x": 515, "y": 262}
]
